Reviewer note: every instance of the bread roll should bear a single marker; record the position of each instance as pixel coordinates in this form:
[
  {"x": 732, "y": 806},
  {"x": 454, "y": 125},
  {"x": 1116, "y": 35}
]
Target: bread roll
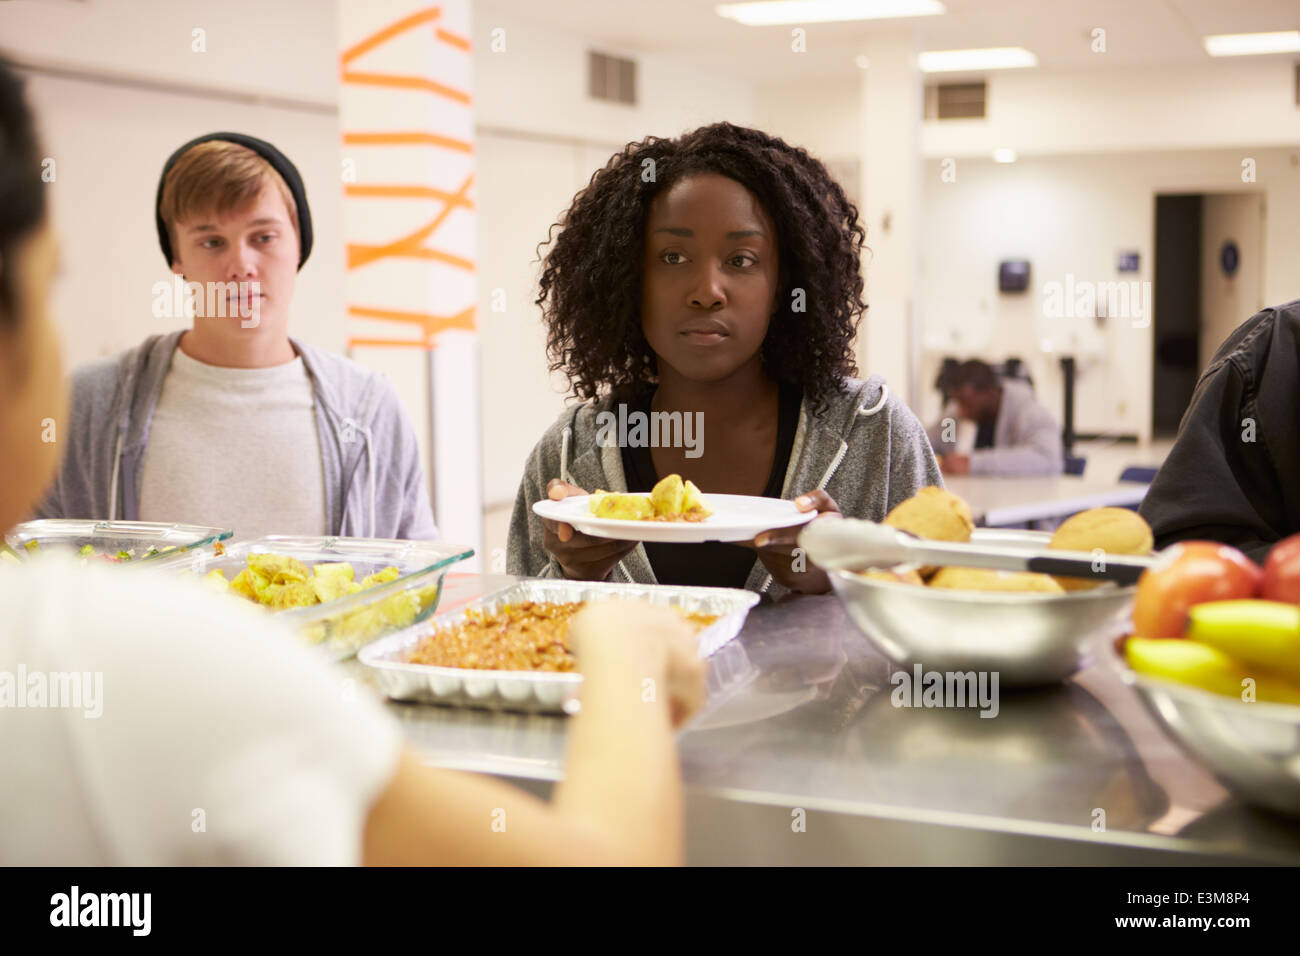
[
  {"x": 987, "y": 579},
  {"x": 1113, "y": 530}
]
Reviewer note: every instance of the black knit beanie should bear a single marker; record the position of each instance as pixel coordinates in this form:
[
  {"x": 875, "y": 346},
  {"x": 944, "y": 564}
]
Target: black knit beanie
[{"x": 279, "y": 162}]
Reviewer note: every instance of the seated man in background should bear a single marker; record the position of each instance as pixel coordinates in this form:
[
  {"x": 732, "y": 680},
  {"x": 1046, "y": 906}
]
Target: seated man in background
[
  {"x": 1233, "y": 474},
  {"x": 1015, "y": 437},
  {"x": 232, "y": 423}
]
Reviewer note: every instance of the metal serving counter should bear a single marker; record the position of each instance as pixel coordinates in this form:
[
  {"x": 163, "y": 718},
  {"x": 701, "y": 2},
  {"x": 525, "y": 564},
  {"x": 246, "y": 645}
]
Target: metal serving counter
[{"x": 799, "y": 731}]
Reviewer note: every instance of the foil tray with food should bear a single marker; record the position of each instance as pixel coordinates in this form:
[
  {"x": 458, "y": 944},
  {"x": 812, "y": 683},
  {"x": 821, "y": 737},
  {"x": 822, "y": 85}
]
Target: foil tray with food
[
  {"x": 117, "y": 542},
  {"x": 509, "y": 650},
  {"x": 337, "y": 593}
]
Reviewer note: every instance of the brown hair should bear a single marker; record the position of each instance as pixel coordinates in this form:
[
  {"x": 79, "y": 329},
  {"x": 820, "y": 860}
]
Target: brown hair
[{"x": 218, "y": 176}]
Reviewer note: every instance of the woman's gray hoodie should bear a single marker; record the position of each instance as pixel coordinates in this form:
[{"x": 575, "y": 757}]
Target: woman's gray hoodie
[
  {"x": 374, "y": 483},
  {"x": 866, "y": 450}
]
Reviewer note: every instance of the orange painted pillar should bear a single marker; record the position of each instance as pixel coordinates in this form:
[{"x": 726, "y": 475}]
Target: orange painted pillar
[{"x": 407, "y": 125}]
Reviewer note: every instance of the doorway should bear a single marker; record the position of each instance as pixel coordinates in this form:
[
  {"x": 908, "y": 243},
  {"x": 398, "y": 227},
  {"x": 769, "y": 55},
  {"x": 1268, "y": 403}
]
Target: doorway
[{"x": 1208, "y": 280}]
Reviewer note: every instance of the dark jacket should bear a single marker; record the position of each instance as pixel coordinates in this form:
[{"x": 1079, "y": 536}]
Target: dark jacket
[{"x": 1234, "y": 472}]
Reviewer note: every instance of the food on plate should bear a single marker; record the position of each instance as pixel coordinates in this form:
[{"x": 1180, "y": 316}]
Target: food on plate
[
  {"x": 671, "y": 499},
  {"x": 529, "y": 636},
  {"x": 624, "y": 507},
  {"x": 1282, "y": 571},
  {"x": 935, "y": 514},
  {"x": 1192, "y": 572},
  {"x": 1200, "y": 665},
  {"x": 1263, "y": 634},
  {"x": 988, "y": 579},
  {"x": 1112, "y": 530}
]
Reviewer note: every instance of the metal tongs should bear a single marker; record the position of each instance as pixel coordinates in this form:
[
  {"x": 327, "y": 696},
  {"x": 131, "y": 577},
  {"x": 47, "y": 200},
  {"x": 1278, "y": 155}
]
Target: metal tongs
[{"x": 850, "y": 544}]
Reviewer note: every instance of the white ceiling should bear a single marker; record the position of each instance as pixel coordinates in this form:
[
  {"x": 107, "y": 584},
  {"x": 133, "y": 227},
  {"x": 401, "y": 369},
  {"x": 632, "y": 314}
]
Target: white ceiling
[{"x": 1138, "y": 32}]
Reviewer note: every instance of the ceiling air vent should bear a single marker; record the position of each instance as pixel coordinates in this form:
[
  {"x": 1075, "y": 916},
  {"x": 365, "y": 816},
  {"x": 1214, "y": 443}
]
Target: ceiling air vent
[
  {"x": 945, "y": 101},
  {"x": 611, "y": 78}
]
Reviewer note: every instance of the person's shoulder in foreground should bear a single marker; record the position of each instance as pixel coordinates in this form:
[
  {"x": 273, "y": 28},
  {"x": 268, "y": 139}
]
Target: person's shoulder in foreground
[
  {"x": 268, "y": 760},
  {"x": 1231, "y": 474}
]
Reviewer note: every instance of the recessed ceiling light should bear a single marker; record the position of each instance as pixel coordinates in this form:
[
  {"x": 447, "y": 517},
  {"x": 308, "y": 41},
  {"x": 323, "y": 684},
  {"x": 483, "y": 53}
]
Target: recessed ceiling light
[
  {"x": 774, "y": 12},
  {"x": 992, "y": 58},
  {"x": 1004, "y": 155},
  {"x": 1245, "y": 44}
]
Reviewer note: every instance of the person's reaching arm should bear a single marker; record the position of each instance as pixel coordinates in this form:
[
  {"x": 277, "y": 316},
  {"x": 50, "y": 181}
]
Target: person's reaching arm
[{"x": 621, "y": 801}]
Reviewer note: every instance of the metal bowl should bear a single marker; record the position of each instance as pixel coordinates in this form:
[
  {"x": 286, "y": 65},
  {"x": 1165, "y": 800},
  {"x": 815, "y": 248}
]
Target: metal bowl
[
  {"x": 1252, "y": 748},
  {"x": 1027, "y": 639}
]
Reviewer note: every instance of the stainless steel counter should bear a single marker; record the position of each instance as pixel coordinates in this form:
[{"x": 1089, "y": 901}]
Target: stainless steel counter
[{"x": 800, "y": 728}]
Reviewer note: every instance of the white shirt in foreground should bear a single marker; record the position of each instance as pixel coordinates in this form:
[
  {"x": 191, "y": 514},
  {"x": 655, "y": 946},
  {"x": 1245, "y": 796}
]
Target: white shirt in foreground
[
  {"x": 213, "y": 737},
  {"x": 235, "y": 448}
]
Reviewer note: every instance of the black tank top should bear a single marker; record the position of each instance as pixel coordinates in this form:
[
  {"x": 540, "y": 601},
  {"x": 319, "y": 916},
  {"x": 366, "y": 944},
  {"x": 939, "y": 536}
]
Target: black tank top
[{"x": 712, "y": 564}]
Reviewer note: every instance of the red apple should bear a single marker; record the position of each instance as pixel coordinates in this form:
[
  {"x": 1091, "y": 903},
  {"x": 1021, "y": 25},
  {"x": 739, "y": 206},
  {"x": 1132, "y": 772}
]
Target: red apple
[
  {"x": 1193, "y": 572},
  {"x": 1282, "y": 571}
]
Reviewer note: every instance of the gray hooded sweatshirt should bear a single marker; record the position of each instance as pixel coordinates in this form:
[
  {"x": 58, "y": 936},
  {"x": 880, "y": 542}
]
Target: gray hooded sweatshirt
[
  {"x": 866, "y": 450},
  {"x": 1026, "y": 438},
  {"x": 374, "y": 482}
]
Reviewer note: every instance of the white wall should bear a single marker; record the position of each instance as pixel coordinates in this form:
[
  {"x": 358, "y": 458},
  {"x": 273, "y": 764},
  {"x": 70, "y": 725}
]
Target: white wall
[
  {"x": 1226, "y": 301},
  {"x": 283, "y": 49},
  {"x": 1071, "y": 216},
  {"x": 109, "y": 144},
  {"x": 1094, "y": 148},
  {"x": 1234, "y": 101}
]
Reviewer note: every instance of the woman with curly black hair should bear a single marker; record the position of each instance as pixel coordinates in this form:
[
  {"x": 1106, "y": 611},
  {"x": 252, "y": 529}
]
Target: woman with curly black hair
[{"x": 714, "y": 276}]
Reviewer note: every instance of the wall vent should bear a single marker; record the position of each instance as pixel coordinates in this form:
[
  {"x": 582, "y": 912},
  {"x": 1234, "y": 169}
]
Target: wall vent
[
  {"x": 611, "y": 78},
  {"x": 945, "y": 101}
]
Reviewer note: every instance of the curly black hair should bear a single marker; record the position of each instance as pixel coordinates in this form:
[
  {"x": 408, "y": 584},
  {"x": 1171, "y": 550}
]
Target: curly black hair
[
  {"x": 590, "y": 289},
  {"x": 22, "y": 194}
]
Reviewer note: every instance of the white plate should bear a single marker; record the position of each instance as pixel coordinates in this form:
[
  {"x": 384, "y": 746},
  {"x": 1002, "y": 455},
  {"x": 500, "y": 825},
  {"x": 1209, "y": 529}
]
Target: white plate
[{"x": 734, "y": 518}]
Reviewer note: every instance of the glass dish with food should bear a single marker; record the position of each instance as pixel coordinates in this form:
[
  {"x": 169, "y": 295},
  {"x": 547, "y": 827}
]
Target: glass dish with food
[
  {"x": 118, "y": 542},
  {"x": 338, "y": 593}
]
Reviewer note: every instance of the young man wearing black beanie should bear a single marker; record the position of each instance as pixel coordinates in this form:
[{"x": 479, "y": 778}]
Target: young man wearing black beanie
[{"x": 232, "y": 422}]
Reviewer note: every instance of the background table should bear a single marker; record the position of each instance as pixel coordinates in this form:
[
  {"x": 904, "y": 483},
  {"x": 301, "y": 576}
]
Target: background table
[
  {"x": 800, "y": 718},
  {"x": 998, "y": 502}
]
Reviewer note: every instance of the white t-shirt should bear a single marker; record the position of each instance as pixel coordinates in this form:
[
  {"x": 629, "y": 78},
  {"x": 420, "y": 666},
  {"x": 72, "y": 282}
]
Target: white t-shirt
[
  {"x": 235, "y": 448},
  {"x": 218, "y": 739}
]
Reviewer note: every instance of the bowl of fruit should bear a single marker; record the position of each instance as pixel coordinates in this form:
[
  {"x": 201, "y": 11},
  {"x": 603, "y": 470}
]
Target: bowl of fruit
[{"x": 1215, "y": 655}]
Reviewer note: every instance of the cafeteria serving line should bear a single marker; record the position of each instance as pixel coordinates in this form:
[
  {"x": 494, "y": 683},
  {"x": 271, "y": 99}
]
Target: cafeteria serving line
[
  {"x": 745, "y": 434},
  {"x": 799, "y": 716}
]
